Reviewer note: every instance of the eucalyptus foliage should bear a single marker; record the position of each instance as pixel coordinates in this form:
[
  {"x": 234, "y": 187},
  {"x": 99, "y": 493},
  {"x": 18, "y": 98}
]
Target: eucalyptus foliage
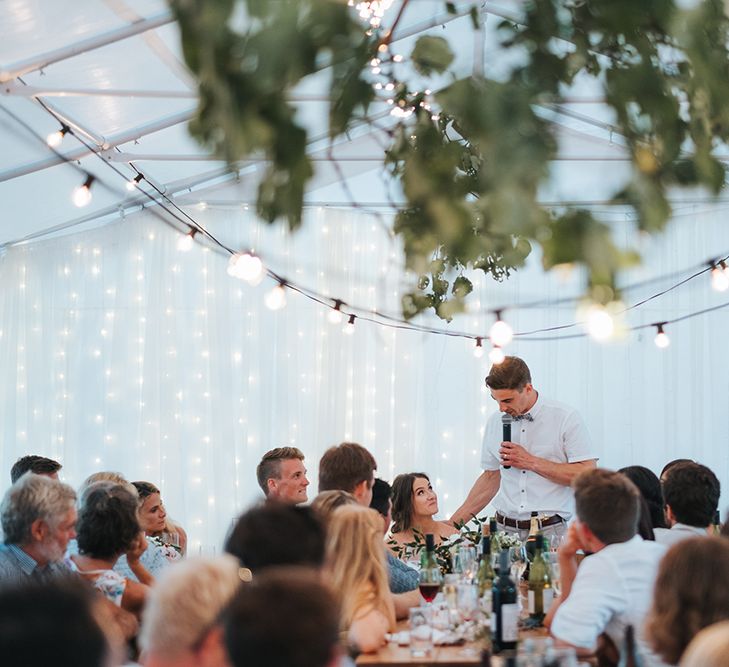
[{"x": 471, "y": 156}]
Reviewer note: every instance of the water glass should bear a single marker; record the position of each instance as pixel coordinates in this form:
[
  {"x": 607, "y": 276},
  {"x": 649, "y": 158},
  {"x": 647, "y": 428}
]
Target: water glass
[
  {"x": 466, "y": 562},
  {"x": 421, "y": 633}
]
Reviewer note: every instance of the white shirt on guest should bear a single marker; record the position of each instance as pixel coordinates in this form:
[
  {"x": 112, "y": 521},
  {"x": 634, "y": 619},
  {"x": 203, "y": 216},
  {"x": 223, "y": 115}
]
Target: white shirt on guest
[
  {"x": 613, "y": 589},
  {"x": 677, "y": 533},
  {"x": 557, "y": 433}
]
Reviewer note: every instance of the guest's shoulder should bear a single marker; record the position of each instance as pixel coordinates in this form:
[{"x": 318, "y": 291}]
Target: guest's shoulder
[{"x": 446, "y": 529}]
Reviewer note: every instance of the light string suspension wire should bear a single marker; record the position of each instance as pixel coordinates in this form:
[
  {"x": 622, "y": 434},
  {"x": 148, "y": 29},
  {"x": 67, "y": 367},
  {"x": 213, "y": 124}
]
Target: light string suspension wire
[
  {"x": 96, "y": 178},
  {"x": 373, "y": 316}
]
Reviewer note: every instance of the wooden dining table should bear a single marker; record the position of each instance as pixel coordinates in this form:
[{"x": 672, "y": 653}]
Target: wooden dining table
[{"x": 394, "y": 655}]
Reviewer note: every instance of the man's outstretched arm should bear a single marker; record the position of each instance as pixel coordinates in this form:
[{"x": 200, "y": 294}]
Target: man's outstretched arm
[{"x": 480, "y": 495}]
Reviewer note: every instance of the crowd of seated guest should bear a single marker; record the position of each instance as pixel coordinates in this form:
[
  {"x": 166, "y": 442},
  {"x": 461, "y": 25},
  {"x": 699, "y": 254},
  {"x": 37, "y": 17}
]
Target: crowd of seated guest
[{"x": 305, "y": 586}]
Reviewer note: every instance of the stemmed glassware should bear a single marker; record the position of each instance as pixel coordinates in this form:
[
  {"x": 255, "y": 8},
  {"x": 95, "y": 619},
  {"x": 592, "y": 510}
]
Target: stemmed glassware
[
  {"x": 465, "y": 563},
  {"x": 469, "y": 611},
  {"x": 518, "y": 558},
  {"x": 430, "y": 575}
]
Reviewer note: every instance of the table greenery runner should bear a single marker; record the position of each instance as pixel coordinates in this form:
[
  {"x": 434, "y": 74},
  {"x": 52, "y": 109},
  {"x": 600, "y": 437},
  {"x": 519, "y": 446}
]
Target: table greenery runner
[
  {"x": 469, "y": 533},
  {"x": 471, "y": 155}
]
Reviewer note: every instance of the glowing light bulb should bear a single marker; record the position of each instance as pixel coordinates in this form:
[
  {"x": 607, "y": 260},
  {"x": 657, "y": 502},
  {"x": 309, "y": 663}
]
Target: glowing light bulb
[
  {"x": 82, "y": 194},
  {"x": 501, "y": 333},
  {"x": 276, "y": 298},
  {"x": 349, "y": 326},
  {"x": 55, "y": 138},
  {"x": 720, "y": 278},
  {"x": 599, "y": 322},
  {"x": 661, "y": 340},
  {"x": 478, "y": 350},
  {"x": 335, "y": 314},
  {"x": 496, "y": 356},
  {"x": 185, "y": 243},
  {"x": 134, "y": 182},
  {"x": 247, "y": 267}
]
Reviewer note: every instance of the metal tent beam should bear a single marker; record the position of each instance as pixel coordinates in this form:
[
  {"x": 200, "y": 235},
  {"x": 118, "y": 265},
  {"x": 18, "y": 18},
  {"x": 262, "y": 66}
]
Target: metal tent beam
[{"x": 21, "y": 67}]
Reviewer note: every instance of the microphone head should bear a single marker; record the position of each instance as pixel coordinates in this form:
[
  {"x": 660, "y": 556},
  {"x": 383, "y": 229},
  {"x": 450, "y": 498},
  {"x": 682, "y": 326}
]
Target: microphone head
[{"x": 506, "y": 418}]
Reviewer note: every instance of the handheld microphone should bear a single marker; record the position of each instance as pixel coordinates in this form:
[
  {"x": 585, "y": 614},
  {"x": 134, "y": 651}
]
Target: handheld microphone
[{"x": 506, "y": 420}]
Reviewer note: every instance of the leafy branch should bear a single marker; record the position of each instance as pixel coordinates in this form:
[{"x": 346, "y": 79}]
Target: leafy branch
[{"x": 471, "y": 157}]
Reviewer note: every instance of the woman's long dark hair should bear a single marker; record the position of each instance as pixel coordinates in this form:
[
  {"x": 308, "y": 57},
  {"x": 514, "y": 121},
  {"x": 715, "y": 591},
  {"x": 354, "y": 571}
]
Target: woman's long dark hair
[
  {"x": 650, "y": 488},
  {"x": 402, "y": 500}
]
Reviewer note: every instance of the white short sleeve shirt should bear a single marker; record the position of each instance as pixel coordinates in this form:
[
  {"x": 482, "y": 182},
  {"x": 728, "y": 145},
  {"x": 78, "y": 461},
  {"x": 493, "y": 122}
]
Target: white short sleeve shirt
[
  {"x": 557, "y": 433},
  {"x": 613, "y": 589}
]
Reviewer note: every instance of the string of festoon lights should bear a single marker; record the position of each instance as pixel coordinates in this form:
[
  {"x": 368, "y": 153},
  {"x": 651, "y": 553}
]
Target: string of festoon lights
[{"x": 598, "y": 321}]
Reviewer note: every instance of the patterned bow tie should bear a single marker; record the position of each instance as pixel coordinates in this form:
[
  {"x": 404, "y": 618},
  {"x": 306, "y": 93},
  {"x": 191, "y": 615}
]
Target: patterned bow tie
[{"x": 525, "y": 417}]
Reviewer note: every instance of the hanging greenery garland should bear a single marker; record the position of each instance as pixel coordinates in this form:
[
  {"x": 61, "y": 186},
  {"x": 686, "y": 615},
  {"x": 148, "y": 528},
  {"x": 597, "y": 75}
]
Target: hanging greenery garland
[{"x": 470, "y": 157}]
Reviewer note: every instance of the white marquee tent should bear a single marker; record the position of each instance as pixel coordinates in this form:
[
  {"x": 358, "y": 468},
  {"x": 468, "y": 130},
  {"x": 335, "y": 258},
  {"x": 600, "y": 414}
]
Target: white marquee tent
[{"x": 117, "y": 351}]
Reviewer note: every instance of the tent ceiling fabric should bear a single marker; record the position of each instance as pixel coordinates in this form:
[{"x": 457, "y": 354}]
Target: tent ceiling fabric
[{"x": 125, "y": 88}]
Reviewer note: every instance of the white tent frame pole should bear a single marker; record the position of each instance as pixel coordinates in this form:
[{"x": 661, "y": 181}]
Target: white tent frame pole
[
  {"x": 21, "y": 67},
  {"x": 36, "y": 91},
  {"x": 77, "y": 154}
]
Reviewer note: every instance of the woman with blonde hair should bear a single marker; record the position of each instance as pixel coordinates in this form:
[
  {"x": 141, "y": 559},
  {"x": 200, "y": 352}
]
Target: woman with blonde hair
[
  {"x": 357, "y": 571},
  {"x": 691, "y": 592}
]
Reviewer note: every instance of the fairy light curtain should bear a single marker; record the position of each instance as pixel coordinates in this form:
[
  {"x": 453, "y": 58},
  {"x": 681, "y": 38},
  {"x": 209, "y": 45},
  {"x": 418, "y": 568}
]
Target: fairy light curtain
[{"x": 120, "y": 352}]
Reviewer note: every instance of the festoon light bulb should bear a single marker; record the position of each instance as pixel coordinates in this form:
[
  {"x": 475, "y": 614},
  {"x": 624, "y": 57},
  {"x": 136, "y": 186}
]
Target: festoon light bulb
[
  {"x": 478, "y": 350},
  {"x": 185, "y": 242},
  {"x": 661, "y": 340},
  {"x": 496, "y": 356},
  {"x": 246, "y": 266},
  {"x": 349, "y": 326},
  {"x": 82, "y": 194},
  {"x": 501, "y": 333},
  {"x": 276, "y": 298},
  {"x": 720, "y": 277},
  {"x": 335, "y": 314}
]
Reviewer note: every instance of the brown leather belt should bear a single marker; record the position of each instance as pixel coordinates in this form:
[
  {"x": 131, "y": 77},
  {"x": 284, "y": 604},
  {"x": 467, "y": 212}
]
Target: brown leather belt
[{"x": 526, "y": 524}]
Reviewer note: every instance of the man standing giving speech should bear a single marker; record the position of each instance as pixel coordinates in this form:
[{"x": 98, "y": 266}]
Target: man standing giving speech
[{"x": 532, "y": 470}]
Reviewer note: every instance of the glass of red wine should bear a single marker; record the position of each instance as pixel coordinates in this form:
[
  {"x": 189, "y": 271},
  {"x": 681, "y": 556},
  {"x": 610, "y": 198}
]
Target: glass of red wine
[{"x": 430, "y": 583}]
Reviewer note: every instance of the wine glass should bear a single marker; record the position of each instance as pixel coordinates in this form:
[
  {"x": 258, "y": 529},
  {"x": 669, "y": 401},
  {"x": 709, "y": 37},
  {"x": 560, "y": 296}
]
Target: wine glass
[
  {"x": 556, "y": 581},
  {"x": 467, "y": 562},
  {"x": 429, "y": 583},
  {"x": 469, "y": 610},
  {"x": 519, "y": 559}
]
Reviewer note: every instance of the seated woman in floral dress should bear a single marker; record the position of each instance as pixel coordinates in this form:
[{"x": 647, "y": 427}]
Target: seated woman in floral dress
[
  {"x": 414, "y": 504},
  {"x": 107, "y": 527}
]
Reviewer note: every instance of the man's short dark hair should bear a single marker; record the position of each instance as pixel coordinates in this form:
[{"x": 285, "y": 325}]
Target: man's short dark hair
[
  {"x": 285, "y": 617},
  {"x": 511, "y": 373},
  {"x": 277, "y": 534},
  {"x": 381, "y": 492},
  {"x": 50, "y": 624},
  {"x": 608, "y": 503},
  {"x": 345, "y": 466},
  {"x": 40, "y": 465},
  {"x": 692, "y": 491},
  {"x": 673, "y": 464},
  {"x": 270, "y": 465},
  {"x": 107, "y": 520}
]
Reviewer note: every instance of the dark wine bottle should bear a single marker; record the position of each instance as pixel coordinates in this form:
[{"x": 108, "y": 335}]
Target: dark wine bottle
[
  {"x": 506, "y": 609},
  {"x": 629, "y": 656}
]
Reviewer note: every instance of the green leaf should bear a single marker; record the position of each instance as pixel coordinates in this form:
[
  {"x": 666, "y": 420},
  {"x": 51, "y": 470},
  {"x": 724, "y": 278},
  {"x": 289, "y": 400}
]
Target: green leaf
[{"x": 431, "y": 54}]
